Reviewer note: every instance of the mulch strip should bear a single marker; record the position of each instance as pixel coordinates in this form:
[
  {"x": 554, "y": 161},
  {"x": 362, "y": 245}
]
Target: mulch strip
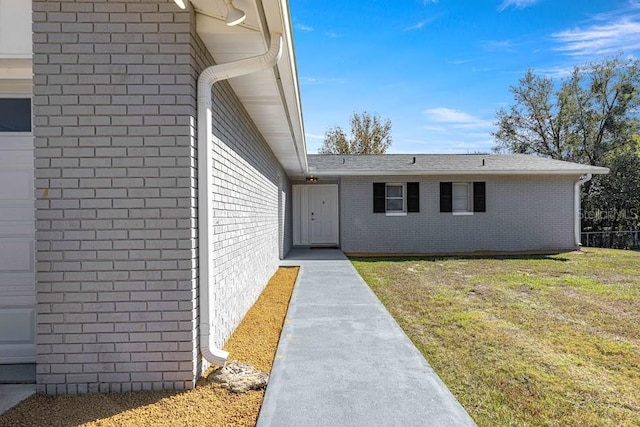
[{"x": 254, "y": 341}]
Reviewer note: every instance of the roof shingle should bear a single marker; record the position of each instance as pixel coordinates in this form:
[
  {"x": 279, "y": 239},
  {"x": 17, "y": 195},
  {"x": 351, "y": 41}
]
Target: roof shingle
[{"x": 442, "y": 164}]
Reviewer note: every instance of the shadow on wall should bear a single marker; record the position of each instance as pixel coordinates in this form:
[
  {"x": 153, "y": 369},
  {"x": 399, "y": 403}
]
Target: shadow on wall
[{"x": 255, "y": 178}]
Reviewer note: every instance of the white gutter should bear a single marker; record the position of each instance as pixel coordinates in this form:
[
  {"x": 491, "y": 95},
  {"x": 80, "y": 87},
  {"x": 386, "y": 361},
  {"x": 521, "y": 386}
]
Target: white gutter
[
  {"x": 206, "y": 81},
  {"x": 432, "y": 172},
  {"x": 576, "y": 202}
]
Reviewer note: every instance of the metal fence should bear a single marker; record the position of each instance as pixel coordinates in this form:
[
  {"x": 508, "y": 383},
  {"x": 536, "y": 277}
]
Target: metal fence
[{"x": 611, "y": 239}]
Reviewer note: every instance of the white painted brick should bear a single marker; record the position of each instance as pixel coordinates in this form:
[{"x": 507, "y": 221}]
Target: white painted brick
[
  {"x": 115, "y": 148},
  {"x": 431, "y": 231}
]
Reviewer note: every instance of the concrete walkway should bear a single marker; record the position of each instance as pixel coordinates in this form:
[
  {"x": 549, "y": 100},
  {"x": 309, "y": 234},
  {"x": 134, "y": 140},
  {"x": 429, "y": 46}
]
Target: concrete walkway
[
  {"x": 12, "y": 394},
  {"x": 17, "y": 382},
  {"x": 343, "y": 361}
]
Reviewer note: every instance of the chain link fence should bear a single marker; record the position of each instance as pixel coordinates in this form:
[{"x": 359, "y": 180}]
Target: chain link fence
[{"x": 611, "y": 239}]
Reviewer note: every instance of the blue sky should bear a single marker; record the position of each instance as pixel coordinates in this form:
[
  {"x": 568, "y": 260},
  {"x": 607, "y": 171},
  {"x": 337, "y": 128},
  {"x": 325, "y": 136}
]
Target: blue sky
[{"x": 439, "y": 69}]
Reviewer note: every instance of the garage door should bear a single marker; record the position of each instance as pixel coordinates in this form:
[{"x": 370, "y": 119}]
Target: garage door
[{"x": 17, "y": 276}]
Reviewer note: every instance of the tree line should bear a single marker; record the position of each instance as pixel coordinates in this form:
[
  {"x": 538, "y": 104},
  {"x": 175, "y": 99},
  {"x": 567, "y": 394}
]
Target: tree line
[{"x": 589, "y": 117}]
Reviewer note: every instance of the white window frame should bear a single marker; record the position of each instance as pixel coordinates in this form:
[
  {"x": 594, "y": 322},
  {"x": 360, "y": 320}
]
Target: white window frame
[
  {"x": 469, "y": 210},
  {"x": 403, "y": 198}
]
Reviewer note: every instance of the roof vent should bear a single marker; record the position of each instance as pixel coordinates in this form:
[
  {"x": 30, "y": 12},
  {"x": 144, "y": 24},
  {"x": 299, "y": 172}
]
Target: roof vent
[
  {"x": 482, "y": 162},
  {"x": 414, "y": 160},
  {"x": 343, "y": 161}
]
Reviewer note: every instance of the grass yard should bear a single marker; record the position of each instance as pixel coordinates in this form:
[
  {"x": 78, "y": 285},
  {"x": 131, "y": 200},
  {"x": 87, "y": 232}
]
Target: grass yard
[{"x": 524, "y": 341}]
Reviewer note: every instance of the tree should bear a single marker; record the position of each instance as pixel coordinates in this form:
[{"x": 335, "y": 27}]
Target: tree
[
  {"x": 369, "y": 135},
  {"x": 593, "y": 111},
  {"x": 613, "y": 201},
  {"x": 590, "y": 117}
]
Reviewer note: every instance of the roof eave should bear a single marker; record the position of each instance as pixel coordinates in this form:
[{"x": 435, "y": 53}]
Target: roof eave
[
  {"x": 271, "y": 97},
  {"x": 327, "y": 172}
]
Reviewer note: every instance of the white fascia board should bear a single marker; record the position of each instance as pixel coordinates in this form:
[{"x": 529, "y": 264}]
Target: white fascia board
[
  {"x": 287, "y": 68},
  {"x": 595, "y": 170}
]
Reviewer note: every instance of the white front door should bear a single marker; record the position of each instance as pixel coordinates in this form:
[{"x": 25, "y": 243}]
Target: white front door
[
  {"x": 315, "y": 215},
  {"x": 17, "y": 275},
  {"x": 323, "y": 204}
]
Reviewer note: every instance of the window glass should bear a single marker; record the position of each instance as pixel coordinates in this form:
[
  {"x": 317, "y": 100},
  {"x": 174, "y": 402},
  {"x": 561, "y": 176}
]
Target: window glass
[
  {"x": 394, "y": 191},
  {"x": 395, "y": 198},
  {"x": 461, "y": 197},
  {"x": 15, "y": 115},
  {"x": 394, "y": 205}
]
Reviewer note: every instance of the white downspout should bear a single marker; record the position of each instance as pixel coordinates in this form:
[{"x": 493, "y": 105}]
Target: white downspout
[
  {"x": 576, "y": 194},
  {"x": 206, "y": 80}
]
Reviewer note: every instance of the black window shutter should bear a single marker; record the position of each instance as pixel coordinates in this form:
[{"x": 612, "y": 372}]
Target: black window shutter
[
  {"x": 413, "y": 197},
  {"x": 479, "y": 197},
  {"x": 379, "y": 197},
  {"x": 446, "y": 197}
]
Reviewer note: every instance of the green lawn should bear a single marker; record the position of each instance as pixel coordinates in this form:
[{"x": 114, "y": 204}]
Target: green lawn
[{"x": 524, "y": 341}]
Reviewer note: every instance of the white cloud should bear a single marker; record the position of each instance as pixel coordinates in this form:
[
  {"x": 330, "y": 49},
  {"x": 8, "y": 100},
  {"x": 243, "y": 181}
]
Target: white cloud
[
  {"x": 518, "y": 4},
  {"x": 432, "y": 128},
  {"x": 557, "y": 72},
  {"x": 421, "y": 24},
  {"x": 443, "y": 146},
  {"x": 630, "y": 10},
  {"x": 303, "y": 27},
  {"x": 448, "y": 130},
  {"x": 313, "y": 136},
  {"x": 455, "y": 118},
  {"x": 416, "y": 26},
  {"x": 322, "y": 80},
  {"x": 607, "y": 38}
]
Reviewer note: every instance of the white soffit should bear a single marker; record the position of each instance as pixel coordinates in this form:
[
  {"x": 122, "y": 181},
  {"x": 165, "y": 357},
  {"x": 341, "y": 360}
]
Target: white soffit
[{"x": 271, "y": 97}]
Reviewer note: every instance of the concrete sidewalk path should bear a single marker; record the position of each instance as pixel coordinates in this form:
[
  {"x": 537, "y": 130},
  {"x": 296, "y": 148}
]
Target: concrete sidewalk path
[{"x": 344, "y": 361}]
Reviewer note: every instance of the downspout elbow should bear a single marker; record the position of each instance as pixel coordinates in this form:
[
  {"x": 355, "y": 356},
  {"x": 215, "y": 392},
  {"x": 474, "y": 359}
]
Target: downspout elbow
[
  {"x": 242, "y": 67},
  {"x": 576, "y": 204},
  {"x": 206, "y": 80}
]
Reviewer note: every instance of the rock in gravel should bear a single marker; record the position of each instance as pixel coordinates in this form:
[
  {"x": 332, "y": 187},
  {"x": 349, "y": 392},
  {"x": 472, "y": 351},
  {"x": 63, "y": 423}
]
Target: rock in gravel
[{"x": 240, "y": 377}]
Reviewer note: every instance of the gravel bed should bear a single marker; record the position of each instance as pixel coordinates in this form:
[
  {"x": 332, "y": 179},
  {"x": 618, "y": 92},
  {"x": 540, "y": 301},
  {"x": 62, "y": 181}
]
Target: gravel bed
[{"x": 255, "y": 342}]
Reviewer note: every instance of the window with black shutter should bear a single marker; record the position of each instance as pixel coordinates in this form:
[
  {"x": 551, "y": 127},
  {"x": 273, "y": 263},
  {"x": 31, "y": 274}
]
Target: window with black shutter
[
  {"x": 379, "y": 197},
  {"x": 396, "y": 199},
  {"x": 413, "y": 197},
  {"x": 446, "y": 197},
  {"x": 463, "y": 198},
  {"x": 479, "y": 197}
]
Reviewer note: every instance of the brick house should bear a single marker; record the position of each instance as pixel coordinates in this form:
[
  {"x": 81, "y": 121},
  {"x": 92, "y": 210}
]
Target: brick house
[
  {"x": 112, "y": 301},
  {"x": 152, "y": 177},
  {"x": 417, "y": 204}
]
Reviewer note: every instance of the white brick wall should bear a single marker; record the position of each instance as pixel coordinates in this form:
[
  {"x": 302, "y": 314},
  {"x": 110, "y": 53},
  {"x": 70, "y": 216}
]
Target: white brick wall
[
  {"x": 523, "y": 213},
  {"x": 115, "y": 108},
  {"x": 247, "y": 236},
  {"x": 114, "y": 105}
]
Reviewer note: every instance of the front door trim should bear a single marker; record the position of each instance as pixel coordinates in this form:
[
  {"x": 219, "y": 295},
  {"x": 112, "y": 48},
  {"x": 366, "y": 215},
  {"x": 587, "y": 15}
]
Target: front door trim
[{"x": 303, "y": 215}]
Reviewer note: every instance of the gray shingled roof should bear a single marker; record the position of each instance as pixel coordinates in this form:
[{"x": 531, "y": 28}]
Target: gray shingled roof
[{"x": 441, "y": 164}]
